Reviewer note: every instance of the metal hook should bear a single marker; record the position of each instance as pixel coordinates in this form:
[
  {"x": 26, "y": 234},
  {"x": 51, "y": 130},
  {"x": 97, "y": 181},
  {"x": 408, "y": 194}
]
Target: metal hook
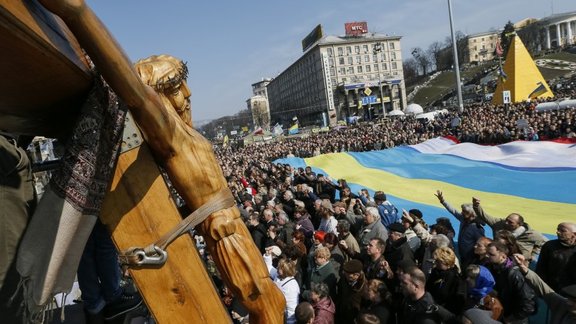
[{"x": 139, "y": 257}]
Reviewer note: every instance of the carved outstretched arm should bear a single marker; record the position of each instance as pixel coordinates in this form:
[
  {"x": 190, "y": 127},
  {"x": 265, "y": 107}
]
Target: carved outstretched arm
[{"x": 112, "y": 63}]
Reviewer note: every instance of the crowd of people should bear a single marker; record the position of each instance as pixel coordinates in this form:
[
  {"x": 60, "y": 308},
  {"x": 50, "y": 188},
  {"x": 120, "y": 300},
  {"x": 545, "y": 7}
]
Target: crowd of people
[
  {"x": 350, "y": 257},
  {"x": 481, "y": 123}
]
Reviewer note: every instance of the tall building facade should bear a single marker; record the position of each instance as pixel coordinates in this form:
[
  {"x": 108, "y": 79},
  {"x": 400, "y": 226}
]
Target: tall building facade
[
  {"x": 258, "y": 104},
  {"x": 340, "y": 76},
  {"x": 558, "y": 30},
  {"x": 482, "y": 46}
]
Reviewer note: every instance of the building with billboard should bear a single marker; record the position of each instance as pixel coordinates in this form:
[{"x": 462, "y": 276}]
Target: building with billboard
[{"x": 358, "y": 74}]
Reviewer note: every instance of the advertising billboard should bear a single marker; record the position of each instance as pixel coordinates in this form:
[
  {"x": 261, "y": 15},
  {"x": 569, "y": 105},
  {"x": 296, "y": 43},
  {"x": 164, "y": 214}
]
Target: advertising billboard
[
  {"x": 312, "y": 38},
  {"x": 356, "y": 28}
]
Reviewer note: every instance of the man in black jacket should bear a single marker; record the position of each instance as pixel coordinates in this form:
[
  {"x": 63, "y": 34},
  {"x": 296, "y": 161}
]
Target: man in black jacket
[
  {"x": 419, "y": 306},
  {"x": 557, "y": 262},
  {"x": 517, "y": 297}
]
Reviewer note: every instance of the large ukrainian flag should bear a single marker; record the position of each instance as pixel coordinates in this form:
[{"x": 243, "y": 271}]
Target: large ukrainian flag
[{"x": 534, "y": 179}]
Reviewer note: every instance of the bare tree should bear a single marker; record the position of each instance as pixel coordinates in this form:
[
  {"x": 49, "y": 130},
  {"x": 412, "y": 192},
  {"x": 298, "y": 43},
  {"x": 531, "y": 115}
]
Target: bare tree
[
  {"x": 410, "y": 67},
  {"x": 422, "y": 59},
  {"x": 532, "y": 37},
  {"x": 434, "y": 54},
  {"x": 461, "y": 47}
]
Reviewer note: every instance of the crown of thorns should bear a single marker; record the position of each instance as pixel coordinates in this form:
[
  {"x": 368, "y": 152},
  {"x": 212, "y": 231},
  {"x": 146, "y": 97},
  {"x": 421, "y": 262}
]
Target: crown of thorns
[{"x": 173, "y": 82}]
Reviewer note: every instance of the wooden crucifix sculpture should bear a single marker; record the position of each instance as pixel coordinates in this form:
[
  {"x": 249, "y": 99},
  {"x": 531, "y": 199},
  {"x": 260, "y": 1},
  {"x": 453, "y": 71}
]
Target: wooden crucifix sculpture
[{"x": 186, "y": 155}]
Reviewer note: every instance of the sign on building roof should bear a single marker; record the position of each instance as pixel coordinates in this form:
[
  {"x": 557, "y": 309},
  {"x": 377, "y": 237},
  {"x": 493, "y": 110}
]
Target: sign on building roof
[{"x": 356, "y": 28}]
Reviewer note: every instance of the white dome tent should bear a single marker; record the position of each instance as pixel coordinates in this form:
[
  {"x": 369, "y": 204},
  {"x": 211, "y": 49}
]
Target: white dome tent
[{"x": 414, "y": 109}]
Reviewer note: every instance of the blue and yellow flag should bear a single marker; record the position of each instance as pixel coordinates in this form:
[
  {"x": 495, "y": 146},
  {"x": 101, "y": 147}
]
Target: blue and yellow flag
[
  {"x": 502, "y": 74},
  {"x": 293, "y": 129},
  {"x": 534, "y": 179},
  {"x": 540, "y": 90}
]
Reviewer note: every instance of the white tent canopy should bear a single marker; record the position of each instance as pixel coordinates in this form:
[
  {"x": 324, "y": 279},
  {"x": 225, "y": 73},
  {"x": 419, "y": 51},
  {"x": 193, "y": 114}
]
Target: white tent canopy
[
  {"x": 395, "y": 112},
  {"x": 432, "y": 114},
  {"x": 555, "y": 105},
  {"x": 414, "y": 109}
]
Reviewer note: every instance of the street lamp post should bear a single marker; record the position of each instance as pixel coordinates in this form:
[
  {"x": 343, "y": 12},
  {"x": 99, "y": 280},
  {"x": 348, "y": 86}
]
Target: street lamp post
[
  {"x": 376, "y": 49},
  {"x": 456, "y": 66}
]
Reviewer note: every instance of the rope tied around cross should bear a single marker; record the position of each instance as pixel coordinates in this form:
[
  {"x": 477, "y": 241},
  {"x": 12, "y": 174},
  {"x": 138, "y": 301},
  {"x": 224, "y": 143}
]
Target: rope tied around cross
[{"x": 155, "y": 254}]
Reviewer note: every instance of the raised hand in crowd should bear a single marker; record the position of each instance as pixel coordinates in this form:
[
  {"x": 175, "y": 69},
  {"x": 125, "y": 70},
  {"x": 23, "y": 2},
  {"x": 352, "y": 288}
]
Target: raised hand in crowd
[{"x": 440, "y": 196}]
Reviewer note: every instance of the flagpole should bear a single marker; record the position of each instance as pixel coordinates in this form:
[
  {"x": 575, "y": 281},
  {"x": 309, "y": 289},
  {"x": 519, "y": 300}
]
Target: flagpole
[{"x": 456, "y": 66}]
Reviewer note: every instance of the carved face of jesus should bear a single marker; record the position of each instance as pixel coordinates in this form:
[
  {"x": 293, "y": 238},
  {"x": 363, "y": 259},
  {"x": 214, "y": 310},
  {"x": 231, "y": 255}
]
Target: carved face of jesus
[{"x": 179, "y": 97}]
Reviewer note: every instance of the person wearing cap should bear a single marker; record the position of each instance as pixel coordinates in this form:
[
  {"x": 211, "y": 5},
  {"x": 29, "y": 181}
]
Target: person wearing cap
[
  {"x": 323, "y": 186},
  {"x": 557, "y": 262},
  {"x": 340, "y": 210},
  {"x": 270, "y": 256},
  {"x": 562, "y": 307},
  {"x": 388, "y": 212},
  {"x": 397, "y": 248},
  {"x": 349, "y": 297},
  {"x": 413, "y": 240}
]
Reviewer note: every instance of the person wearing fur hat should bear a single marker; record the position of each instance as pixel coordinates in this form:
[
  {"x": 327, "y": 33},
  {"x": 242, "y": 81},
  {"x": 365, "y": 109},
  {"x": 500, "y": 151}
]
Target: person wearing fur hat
[{"x": 349, "y": 295}]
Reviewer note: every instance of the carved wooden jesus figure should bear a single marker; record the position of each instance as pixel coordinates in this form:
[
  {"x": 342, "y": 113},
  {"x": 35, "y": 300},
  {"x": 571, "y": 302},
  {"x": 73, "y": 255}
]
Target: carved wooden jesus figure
[{"x": 158, "y": 98}]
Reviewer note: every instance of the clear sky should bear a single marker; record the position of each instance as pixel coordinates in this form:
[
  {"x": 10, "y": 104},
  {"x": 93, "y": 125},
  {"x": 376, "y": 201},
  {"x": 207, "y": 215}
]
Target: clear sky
[{"x": 231, "y": 44}]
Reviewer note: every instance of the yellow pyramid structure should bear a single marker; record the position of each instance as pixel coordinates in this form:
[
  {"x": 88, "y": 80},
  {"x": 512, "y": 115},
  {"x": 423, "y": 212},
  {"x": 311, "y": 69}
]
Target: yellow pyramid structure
[{"x": 523, "y": 79}]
